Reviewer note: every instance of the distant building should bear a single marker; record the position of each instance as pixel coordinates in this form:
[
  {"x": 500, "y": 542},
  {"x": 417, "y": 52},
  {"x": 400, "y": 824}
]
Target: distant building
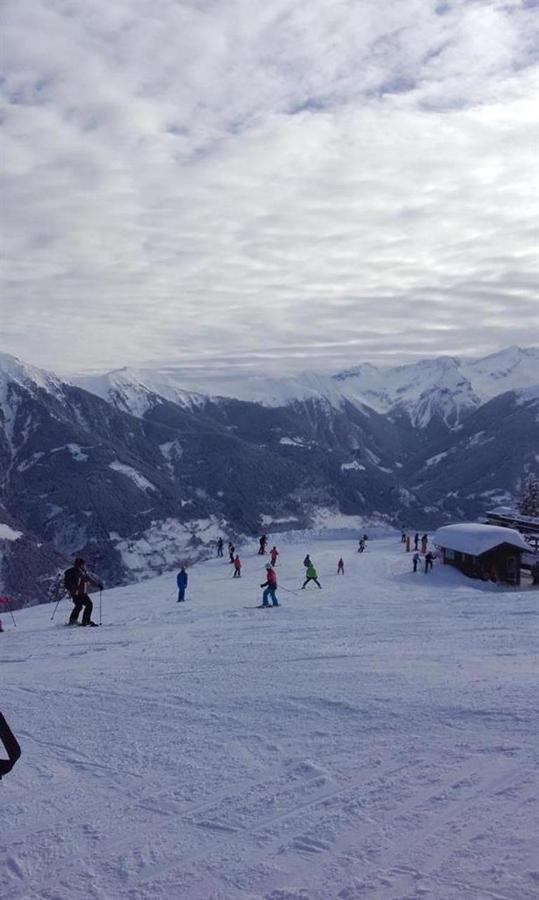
[
  {"x": 489, "y": 552},
  {"x": 508, "y": 517}
]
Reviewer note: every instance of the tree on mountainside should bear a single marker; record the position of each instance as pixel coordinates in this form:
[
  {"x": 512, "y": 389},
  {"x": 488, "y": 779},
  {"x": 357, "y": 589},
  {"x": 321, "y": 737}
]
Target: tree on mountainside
[{"x": 528, "y": 504}]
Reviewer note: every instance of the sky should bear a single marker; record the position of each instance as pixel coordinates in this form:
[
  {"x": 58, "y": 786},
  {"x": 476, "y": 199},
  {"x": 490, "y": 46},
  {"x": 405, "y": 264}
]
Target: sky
[{"x": 267, "y": 184}]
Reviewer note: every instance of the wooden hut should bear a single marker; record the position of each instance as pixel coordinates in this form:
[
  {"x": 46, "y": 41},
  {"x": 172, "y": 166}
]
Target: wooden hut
[{"x": 489, "y": 552}]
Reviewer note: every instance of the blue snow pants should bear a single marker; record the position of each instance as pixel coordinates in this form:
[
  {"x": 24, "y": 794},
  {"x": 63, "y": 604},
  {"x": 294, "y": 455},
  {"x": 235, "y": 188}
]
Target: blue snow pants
[{"x": 269, "y": 592}]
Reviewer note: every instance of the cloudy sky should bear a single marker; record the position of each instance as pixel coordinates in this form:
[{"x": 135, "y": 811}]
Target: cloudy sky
[{"x": 279, "y": 184}]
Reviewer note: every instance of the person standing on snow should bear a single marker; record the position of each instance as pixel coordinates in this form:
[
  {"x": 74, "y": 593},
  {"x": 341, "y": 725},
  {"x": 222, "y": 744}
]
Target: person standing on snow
[
  {"x": 270, "y": 586},
  {"x": 424, "y": 542},
  {"x": 429, "y": 561},
  {"x": 220, "y": 547},
  {"x": 416, "y": 541},
  {"x": 237, "y": 567},
  {"x": 76, "y": 580},
  {"x": 181, "y": 580},
  {"x": 274, "y": 553},
  {"x": 407, "y": 543},
  {"x": 416, "y": 559},
  {"x": 262, "y": 545},
  {"x": 361, "y": 546},
  {"x": 310, "y": 575},
  {"x": 231, "y": 551},
  {"x": 340, "y": 567}
]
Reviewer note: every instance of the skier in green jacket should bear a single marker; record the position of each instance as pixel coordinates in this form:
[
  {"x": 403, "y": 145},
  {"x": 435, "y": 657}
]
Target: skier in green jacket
[{"x": 311, "y": 575}]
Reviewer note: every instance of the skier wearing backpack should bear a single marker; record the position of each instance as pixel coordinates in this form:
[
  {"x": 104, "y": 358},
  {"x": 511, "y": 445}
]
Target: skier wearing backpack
[
  {"x": 76, "y": 580},
  {"x": 270, "y": 585},
  {"x": 181, "y": 580},
  {"x": 310, "y": 575}
]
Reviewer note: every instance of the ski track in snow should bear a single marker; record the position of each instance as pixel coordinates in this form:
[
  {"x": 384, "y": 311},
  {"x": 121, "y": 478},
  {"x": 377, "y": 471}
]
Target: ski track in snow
[{"x": 376, "y": 739}]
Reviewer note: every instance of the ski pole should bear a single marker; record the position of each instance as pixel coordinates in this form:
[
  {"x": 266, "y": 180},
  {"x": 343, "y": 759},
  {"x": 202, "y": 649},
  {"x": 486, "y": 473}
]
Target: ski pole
[
  {"x": 12, "y": 616},
  {"x": 55, "y": 608}
]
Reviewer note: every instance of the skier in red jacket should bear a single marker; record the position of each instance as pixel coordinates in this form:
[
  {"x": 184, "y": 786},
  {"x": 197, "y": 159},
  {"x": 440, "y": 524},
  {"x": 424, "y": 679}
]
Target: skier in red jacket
[{"x": 271, "y": 586}]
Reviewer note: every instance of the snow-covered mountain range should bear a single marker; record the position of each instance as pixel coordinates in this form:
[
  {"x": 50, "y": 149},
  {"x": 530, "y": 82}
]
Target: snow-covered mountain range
[
  {"x": 446, "y": 387},
  {"x": 138, "y": 469}
]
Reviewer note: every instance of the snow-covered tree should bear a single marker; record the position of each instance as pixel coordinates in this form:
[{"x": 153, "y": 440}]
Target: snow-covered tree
[{"x": 528, "y": 505}]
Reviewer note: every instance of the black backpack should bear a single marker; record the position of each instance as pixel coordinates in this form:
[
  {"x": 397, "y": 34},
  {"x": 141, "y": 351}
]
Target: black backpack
[{"x": 71, "y": 579}]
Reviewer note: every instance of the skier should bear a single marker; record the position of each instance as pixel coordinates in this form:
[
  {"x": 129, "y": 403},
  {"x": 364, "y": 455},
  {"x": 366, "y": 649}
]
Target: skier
[
  {"x": 11, "y": 745},
  {"x": 429, "y": 561},
  {"x": 237, "y": 567},
  {"x": 220, "y": 547},
  {"x": 365, "y": 537},
  {"x": 340, "y": 566},
  {"x": 310, "y": 575},
  {"x": 273, "y": 555},
  {"x": 270, "y": 586},
  {"x": 361, "y": 547},
  {"x": 231, "y": 551},
  {"x": 407, "y": 543},
  {"x": 403, "y": 537},
  {"x": 1, "y": 626},
  {"x": 262, "y": 545},
  {"x": 416, "y": 540},
  {"x": 424, "y": 542},
  {"x": 76, "y": 580},
  {"x": 307, "y": 561},
  {"x": 181, "y": 580},
  {"x": 416, "y": 560}
]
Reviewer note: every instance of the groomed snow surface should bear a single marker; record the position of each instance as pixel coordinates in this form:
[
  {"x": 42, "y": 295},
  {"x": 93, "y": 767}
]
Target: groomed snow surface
[{"x": 373, "y": 739}]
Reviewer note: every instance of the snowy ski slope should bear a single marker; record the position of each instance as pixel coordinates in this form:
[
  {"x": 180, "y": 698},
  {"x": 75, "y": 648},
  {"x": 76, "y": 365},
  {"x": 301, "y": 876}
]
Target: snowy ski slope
[{"x": 376, "y": 739}]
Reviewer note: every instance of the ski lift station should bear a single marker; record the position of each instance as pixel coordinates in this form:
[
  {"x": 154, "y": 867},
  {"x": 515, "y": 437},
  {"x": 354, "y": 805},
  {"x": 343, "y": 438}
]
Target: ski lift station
[{"x": 489, "y": 552}]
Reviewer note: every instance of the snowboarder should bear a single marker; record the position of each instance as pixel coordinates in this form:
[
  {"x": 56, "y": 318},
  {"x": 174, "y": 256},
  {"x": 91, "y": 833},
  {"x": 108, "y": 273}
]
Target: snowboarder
[
  {"x": 237, "y": 567},
  {"x": 424, "y": 542},
  {"x": 429, "y": 561},
  {"x": 231, "y": 552},
  {"x": 340, "y": 566},
  {"x": 361, "y": 546},
  {"x": 310, "y": 575},
  {"x": 262, "y": 545},
  {"x": 11, "y": 745},
  {"x": 416, "y": 560},
  {"x": 274, "y": 553},
  {"x": 181, "y": 580},
  {"x": 76, "y": 580},
  {"x": 416, "y": 540},
  {"x": 220, "y": 547},
  {"x": 407, "y": 543},
  {"x": 270, "y": 586},
  {"x": 307, "y": 561}
]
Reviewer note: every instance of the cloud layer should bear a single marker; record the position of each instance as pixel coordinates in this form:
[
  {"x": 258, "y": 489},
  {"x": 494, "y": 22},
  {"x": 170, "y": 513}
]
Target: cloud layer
[{"x": 301, "y": 183}]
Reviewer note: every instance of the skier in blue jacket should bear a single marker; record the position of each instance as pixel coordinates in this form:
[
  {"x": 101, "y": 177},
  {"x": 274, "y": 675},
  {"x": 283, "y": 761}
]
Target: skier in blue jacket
[{"x": 181, "y": 580}]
